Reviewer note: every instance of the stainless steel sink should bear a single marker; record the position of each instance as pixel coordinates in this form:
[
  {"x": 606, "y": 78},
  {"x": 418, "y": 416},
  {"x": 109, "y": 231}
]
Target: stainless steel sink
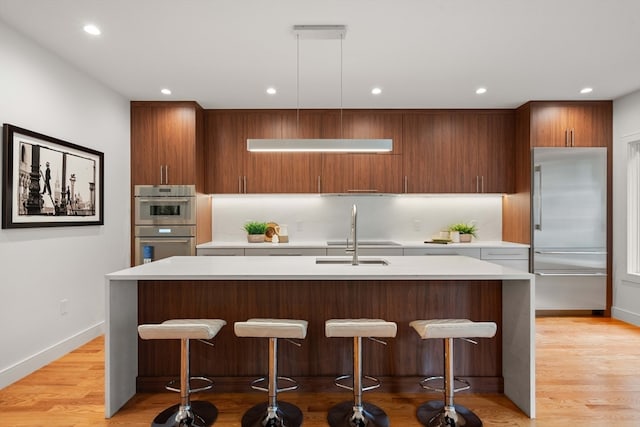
[
  {"x": 362, "y": 243},
  {"x": 348, "y": 261}
]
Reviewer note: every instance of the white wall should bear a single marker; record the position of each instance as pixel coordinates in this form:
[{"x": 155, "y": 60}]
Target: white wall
[
  {"x": 39, "y": 267},
  {"x": 626, "y": 288},
  {"x": 319, "y": 218}
]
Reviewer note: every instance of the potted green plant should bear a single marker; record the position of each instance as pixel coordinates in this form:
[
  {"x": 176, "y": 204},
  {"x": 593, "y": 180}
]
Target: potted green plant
[
  {"x": 466, "y": 230},
  {"x": 255, "y": 231}
]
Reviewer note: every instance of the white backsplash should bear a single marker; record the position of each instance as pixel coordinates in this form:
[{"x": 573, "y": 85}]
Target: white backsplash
[{"x": 327, "y": 217}]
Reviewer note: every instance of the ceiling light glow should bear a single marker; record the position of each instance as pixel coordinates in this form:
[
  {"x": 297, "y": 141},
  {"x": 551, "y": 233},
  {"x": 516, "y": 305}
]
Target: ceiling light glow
[
  {"x": 92, "y": 29},
  {"x": 586, "y": 90},
  {"x": 376, "y": 91},
  {"x": 165, "y": 91},
  {"x": 271, "y": 90},
  {"x": 481, "y": 90}
]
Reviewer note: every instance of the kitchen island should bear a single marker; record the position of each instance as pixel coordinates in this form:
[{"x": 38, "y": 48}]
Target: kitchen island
[{"x": 237, "y": 288}]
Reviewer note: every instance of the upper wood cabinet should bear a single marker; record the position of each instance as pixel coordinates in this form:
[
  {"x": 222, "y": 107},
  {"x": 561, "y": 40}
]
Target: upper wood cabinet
[
  {"x": 358, "y": 172},
  {"x": 225, "y": 151},
  {"x": 167, "y": 143},
  {"x": 458, "y": 151},
  {"x": 571, "y": 124},
  {"x": 235, "y": 170},
  {"x": 282, "y": 172}
]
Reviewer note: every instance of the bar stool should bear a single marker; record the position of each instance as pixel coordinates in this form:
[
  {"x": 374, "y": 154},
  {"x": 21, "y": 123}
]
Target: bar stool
[
  {"x": 438, "y": 413},
  {"x": 357, "y": 413},
  {"x": 273, "y": 413},
  {"x": 187, "y": 413}
]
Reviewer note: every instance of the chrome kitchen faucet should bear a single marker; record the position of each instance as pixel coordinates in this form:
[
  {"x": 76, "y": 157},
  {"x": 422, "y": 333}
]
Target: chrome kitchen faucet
[{"x": 354, "y": 236}]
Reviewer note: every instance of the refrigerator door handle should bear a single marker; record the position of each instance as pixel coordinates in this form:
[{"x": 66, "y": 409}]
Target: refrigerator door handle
[
  {"x": 571, "y": 252},
  {"x": 571, "y": 274},
  {"x": 537, "y": 170}
]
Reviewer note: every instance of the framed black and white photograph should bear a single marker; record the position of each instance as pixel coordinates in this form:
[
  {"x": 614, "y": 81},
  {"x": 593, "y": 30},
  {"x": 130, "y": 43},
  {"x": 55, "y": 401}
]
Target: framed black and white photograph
[{"x": 48, "y": 182}]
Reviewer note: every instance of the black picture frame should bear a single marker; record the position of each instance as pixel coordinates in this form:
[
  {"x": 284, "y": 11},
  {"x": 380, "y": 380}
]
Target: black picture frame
[{"x": 48, "y": 182}]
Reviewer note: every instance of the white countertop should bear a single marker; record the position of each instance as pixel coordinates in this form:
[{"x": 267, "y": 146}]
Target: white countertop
[
  {"x": 401, "y": 244},
  {"x": 449, "y": 267}
]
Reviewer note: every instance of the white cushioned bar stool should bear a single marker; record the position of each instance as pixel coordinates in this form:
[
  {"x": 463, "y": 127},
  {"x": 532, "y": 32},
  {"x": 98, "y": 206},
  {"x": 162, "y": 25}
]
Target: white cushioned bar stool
[
  {"x": 357, "y": 413},
  {"x": 446, "y": 413},
  {"x": 187, "y": 413},
  {"x": 273, "y": 413}
]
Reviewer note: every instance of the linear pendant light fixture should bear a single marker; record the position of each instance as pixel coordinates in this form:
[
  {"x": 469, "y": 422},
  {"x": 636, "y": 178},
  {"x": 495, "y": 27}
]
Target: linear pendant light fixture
[{"x": 319, "y": 32}]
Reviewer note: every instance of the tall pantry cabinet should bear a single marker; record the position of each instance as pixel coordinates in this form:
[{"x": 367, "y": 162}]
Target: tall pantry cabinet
[{"x": 167, "y": 148}]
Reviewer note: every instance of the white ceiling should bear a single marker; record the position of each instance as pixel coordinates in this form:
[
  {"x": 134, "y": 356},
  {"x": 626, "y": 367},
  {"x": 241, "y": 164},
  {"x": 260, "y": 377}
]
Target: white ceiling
[{"x": 422, "y": 53}]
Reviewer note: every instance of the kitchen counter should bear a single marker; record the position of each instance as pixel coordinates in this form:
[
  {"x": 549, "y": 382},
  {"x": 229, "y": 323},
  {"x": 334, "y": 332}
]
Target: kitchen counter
[
  {"x": 236, "y": 288},
  {"x": 400, "y": 243}
]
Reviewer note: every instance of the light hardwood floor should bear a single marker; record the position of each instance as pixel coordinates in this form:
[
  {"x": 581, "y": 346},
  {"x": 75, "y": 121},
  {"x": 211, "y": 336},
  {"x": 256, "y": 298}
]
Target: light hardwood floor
[{"x": 588, "y": 374}]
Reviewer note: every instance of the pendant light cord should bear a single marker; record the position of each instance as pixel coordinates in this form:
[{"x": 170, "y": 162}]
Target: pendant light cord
[
  {"x": 297, "y": 85},
  {"x": 341, "y": 127}
]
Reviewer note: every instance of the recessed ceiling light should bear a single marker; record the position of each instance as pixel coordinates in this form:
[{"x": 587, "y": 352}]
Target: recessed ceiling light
[
  {"x": 481, "y": 90},
  {"x": 376, "y": 91},
  {"x": 271, "y": 90},
  {"x": 586, "y": 90},
  {"x": 92, "y": 29},
  {"x": 166, "y": 91}
]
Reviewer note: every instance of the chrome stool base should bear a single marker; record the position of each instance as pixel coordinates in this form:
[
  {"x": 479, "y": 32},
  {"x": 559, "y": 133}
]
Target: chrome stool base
[
  {"x": 344, "y": 415},
  {"x": 433, "y": 414},
  {"x": 201, "y": 414},
  {"x": 287, "y": 415}
]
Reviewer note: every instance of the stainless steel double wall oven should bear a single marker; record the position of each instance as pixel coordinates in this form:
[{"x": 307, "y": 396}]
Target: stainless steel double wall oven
[{"x": 165, "y": 221}]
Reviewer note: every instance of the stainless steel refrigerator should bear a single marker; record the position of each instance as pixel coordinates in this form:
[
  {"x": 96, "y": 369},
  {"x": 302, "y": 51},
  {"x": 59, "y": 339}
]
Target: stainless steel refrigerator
[{"x": 569, "y": 228}]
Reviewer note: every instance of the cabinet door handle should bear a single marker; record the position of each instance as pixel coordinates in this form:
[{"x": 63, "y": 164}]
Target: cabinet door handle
[
  {"x": 166, "y": 174},
  {"x": 244, "y": 183},
  {"x": 239, "y": 185},
  {"x": 482, "y": 183},
  {"x": 161, "y": 169},
  {"x": 573, "y": 141},
  {"x": 566, "y": 137},
  {"x": 406, "y": 184},
  {"x": 319, "y": 184},
  {"x": 477, "y": 184}
]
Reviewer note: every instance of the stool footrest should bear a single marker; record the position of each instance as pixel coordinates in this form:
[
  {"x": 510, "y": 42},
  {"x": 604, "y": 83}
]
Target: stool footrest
[
  {"x": 339, "y": 381},
  {"x": 425, "y": 384},
  {"x": 207, "y": 381},
  {"x": 293, "y": 386}
]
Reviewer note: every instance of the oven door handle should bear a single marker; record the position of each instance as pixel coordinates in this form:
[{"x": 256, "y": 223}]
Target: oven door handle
[
  {"x": 164, "y": 199},
  {"x": 166, "y": 240}
]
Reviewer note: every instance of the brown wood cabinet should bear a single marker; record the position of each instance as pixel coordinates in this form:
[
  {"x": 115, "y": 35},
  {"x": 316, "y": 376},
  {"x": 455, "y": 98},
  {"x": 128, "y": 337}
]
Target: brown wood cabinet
[
  {"x": 571, "y": 124},
  {"x": 166, "y": 143},
  {"x": 458, "y": 151},
  {"x": 234, "y": 170},
  {"x": 225, "y": 151},
  {"x": 167, "y": 148},
  {"x": 363, "y": 173},
  {"x": 282, "y": 172}
]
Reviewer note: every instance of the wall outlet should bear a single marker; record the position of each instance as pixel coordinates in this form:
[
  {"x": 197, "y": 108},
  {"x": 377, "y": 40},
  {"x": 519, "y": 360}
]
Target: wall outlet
[
  {"x": 417, "y": 225},
  {"x": 64, "y": 307}
]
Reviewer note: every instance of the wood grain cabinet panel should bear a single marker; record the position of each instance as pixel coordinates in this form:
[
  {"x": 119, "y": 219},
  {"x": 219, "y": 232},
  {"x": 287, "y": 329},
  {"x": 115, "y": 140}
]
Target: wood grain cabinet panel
[
  {"x": 225, "y": 151},
  {"x": 165, "y": 141},
  {"x": 363, "y": 173},
  {"x": 571, "y": 124},
  {"x": 453, "y": 151},
  {"x": 282, "y": 172}
]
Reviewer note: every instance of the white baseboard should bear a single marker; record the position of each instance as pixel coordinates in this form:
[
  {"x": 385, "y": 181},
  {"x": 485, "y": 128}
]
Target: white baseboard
[
  {"x": 44, "y": 357},
  {"x": 625, "y": 316}
]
